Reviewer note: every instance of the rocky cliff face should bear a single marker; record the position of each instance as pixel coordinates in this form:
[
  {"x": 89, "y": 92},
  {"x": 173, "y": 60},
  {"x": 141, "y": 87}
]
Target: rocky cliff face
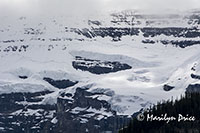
[
  {"x": 78, "y": 114},
  {"x": 88, "y": 114}
]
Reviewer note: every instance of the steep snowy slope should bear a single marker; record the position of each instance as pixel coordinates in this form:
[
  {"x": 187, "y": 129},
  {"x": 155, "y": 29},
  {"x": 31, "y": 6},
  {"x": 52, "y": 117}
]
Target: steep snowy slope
[{"x": 60, "y": 71}]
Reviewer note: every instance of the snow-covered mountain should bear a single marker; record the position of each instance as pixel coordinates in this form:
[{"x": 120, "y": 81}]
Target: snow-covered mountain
[{"x": 76, "y": 75}]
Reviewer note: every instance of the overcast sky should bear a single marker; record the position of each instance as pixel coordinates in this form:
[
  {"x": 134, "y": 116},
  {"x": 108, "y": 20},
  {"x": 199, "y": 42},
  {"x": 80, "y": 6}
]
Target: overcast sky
[{"x": 88, "y": 6}]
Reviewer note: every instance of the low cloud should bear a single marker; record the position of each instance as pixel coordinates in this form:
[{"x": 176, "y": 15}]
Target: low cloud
[{"x": 81, "y": 7}]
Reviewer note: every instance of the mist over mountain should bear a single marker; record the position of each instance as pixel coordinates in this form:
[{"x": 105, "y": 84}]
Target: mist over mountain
[{"x": 86, "y": 7}]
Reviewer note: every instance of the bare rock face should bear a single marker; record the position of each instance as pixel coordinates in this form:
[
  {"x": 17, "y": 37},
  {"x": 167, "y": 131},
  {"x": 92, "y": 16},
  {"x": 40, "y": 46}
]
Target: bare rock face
[
  {"x": 61, "y": 84},
  {"x": 84, "y": 114},
  {"x": 117, "y": 33},
  {"x": 17, "y": 116},
  {"x": 195, "y": 76},
  {"x": 99, "y": 67},
  {"x": 78, "y": 113},
  {"x": 167, "y": 87},
  {"x": 193, "y": 88}
]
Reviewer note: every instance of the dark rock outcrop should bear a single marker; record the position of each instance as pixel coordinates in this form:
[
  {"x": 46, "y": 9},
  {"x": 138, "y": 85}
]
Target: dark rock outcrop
[
  {"x": 61, "y": 84},
  {"x": 112, "y": 32},
  {"x": 98, "y": 67},
  {"x": 171, "y": 31},
  {"x": 16, "y": 112},
  {"x": 23, "y": 77},
  {"x": 193, "y": 88},
  {"x": 195, "y": 76},
  {"x": 168, "y": 87},
  {"x": 148, "y": 41},
  {"x": 116, "y": 34},
  {"x": 79, "y": 122},
  {"x": 185, "y": 43}
]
